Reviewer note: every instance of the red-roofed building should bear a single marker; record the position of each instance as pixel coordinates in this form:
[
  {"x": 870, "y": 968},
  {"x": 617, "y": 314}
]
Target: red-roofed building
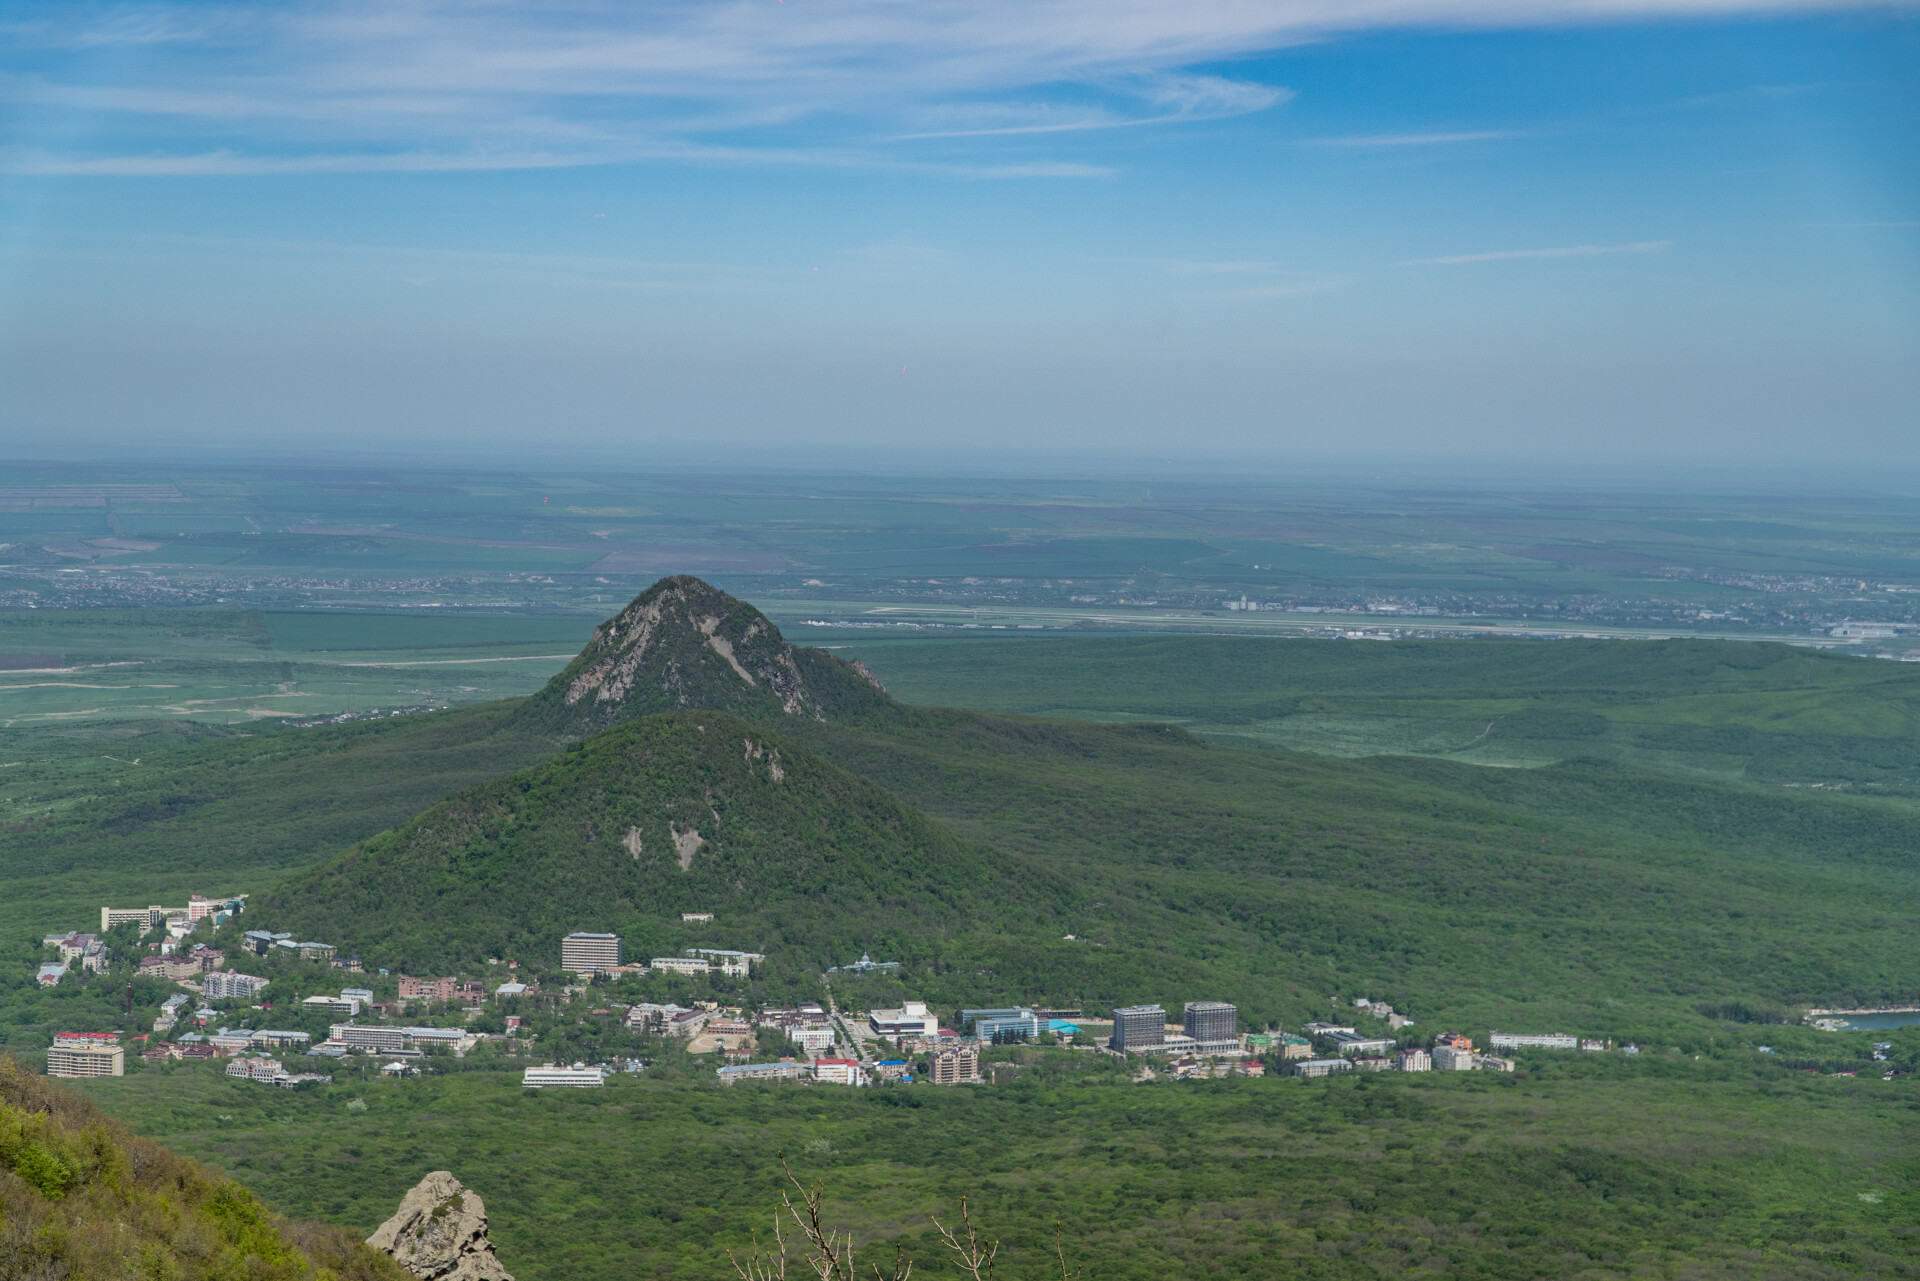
[{"x": 83, "y": 1054}]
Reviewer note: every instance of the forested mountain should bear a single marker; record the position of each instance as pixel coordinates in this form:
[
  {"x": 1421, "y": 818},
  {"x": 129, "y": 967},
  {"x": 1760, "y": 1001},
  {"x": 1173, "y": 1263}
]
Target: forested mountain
[{"x": 684, "y": 811}]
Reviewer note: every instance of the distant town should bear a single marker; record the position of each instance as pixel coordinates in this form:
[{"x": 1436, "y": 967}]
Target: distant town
[{"x": 815, "y": 1042}]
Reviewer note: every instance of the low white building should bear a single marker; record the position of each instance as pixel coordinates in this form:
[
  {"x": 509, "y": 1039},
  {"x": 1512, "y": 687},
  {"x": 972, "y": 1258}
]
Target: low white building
[
  {"x": 1532, "y": 1040},
  {"x": 538, "y": 1078},
  {"x": 911, "y": 1019},
  {"x": 681, "y": 964}
]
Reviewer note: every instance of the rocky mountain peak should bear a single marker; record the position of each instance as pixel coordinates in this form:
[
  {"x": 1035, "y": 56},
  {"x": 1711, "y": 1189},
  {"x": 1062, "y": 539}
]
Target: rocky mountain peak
[
  {"x": 440, "y": 1233},
  {"x": 685, "y": 643}
]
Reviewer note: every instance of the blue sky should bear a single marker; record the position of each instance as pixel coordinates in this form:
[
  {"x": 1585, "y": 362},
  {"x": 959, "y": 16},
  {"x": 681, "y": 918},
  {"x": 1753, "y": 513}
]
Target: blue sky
[{"x": 1636, "y": 232}]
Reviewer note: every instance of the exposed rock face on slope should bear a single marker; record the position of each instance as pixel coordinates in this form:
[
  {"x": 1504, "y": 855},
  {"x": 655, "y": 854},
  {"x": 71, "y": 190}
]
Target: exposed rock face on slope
[
  {"x": 684, "y": 643},
  {"x": 440, "y": 1233}
]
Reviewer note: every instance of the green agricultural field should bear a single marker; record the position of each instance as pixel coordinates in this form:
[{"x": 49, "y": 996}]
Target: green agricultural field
[
  {"x": 235, "y": 667},
  {"x": 1768, "y": 713},
  {"x": 1751, "y": 1171}
]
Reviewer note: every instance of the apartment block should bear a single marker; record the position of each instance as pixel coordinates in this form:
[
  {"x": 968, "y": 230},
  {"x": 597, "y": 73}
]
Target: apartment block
[
  {"x": 84, "y": 1054},
  {"x": 222, "y": 986},
  {"x": 1533, "y": 1040},
  {"x": 358, "y": 1037},
  {"x": 589, "y": 953},
  {"x": 1414, "y": 1060},
  {"x": 956, "y": 1065},
  {"x": 784, "y": 1070},
  {"x": 1213, "y": 1025},
  {"x": 1139, "y": 1027},
  {"x": 839, "y": 1072},
  {"x": 552, "y": 1074}
]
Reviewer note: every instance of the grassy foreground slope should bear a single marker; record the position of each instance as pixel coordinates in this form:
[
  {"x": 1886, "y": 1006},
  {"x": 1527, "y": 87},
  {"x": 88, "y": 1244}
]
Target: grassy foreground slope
[
  {"x": 1764, "y": 712},
  {"x": 1580, "y": 1169},
  {"x": 80, "y": 1197}
]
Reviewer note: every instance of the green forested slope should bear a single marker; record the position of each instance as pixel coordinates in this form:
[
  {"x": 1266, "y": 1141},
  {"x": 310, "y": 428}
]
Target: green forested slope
[
  {"x": 1765, "y": 712},
  {"x": 1617, "y": 900},
  {"x": 1589, "y": 1168},
  {"x": 688, "y": 811},
  {"x": 125, "y": 818},
  {"x": 81, "y": 1198}
]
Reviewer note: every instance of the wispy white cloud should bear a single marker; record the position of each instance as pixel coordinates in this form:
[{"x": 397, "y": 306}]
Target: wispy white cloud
[
  {"x": 1189, "y": 98},
  {"x": 1415, "y": 139},
  {"x": 230, "y": 87},
  {"x": 1562, "y": 251}
]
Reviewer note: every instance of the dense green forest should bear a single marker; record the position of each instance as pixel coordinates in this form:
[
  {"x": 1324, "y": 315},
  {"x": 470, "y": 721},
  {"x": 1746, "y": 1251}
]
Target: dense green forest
[
  {"x": 1552, "y": 1171},
  {"x": 1759, "y": 711}
]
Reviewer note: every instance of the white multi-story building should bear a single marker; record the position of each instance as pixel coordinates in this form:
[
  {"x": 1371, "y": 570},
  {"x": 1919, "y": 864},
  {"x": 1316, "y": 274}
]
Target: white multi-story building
[
  {"x": 1533, "y": 1040},
  {"x": 257, "y": 1069},
  {"x": 223, "y": 986},
  {"x": 813, "y": 1041},
  {"x": 839, "y": 1072},
  {"x": 1413, "y": 1060},
  {"x": 681, "y": 964},
  {"x": 589, "y": 953},
  {"x": 537, "y": 1078},
  {"x": 84, "y": 1054},
  {"x": 1453, "y": 1058},
  {"x": 784, "y": 1070},
  {"x": 1353, "y": 1043},
  {"x": 356, "y": 1037}
]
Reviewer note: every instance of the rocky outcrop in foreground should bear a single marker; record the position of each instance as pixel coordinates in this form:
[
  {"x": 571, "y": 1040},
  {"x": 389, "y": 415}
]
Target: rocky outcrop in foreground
[{"x": 440, "y": 1233}]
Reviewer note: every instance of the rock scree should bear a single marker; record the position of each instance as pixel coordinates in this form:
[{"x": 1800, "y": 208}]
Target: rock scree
[{"x": 440, "y": 1232}]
